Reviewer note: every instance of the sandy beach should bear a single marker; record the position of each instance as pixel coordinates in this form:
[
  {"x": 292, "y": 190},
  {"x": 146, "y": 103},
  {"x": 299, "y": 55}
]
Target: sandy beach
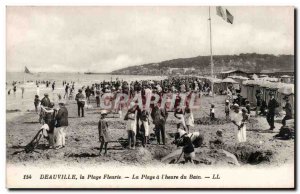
[{"x": 82, "y": 145}]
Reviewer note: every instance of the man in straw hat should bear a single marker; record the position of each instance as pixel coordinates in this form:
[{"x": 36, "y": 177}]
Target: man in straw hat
[
  {"x": 273, "y": 104},
  {"x": 103, "y": 132}
]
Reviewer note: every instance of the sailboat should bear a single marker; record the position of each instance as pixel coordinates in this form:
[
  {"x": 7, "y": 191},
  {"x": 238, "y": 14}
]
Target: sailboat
[{"x": 26, "y": 71}]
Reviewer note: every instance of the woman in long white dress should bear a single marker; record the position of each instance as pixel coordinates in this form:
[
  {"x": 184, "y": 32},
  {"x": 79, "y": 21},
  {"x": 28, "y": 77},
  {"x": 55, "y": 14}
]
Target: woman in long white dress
[{"x": 238, "y": 120}]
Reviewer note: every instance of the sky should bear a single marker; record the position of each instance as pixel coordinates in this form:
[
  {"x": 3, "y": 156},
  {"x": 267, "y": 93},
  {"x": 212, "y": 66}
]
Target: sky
[{"x": 103, "y": 39}]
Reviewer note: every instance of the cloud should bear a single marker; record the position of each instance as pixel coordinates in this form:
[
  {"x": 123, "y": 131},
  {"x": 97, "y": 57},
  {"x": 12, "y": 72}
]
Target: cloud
[{"x": 103, "y": 39}]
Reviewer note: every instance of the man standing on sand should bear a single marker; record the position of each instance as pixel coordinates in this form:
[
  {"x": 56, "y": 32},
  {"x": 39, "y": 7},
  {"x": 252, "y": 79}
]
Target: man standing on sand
[
  {"x": 66, "y": 90},
  {"x": 61, "y": 125},
  {"x": 37, "y": 90},
  {"x": 159, "y": 117},
  {"x": 53, "y": 85},
  {"x": 80, "y": 102},
  {"x": 36, "y": 103},
  {"x": 273, "y": 104},
  {"x": 23, "y": 89}
]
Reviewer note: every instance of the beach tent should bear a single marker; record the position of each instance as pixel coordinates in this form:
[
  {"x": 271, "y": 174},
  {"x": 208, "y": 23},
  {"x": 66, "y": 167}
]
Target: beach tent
[
  {"x": 250, "y": 87},
  {"x": 215, "y": 82},
  {"x": 244, "y": 89},
  {"x": 279, "y": 89},
  {"x": 229, "y": 81},
  {"x": 286, "y": 79},
  {"x": 287, "y": 89},
  {"x": 238, "y": 79},
  {"x": 263, "y": 75},
  {"x": 271, "y": 79}
]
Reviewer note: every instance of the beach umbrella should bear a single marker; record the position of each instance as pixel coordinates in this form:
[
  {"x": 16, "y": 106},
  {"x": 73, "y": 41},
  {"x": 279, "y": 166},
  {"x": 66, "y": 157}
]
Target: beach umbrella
[{"x": 287, "y": 89}]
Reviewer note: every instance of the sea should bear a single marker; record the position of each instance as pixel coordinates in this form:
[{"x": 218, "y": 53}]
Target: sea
[{"x": 14, "y": 101}]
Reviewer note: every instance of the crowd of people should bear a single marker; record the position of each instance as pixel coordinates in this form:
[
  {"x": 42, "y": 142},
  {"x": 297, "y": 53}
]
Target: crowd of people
[{"x": 138, "y": 119}]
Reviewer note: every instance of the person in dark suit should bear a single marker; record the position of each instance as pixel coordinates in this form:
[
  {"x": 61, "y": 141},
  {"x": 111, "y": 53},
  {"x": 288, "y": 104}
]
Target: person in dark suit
[
  {"x": 80, "y": 102},
  {"x": 273, "y": 104},
  {"x": 45, "y": 101},
  {"x": 61, "y": 125},
  {"x": 159, "y": 117}
]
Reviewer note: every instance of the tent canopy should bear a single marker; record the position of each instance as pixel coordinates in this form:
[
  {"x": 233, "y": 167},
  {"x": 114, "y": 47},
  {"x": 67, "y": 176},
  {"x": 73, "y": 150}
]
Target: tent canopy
[
  {"x": 228, "y": 80},
  {"x": 285, "y": 76},
  {"x": 238, "y": 77},
  {"x": 213, "y": 80}
]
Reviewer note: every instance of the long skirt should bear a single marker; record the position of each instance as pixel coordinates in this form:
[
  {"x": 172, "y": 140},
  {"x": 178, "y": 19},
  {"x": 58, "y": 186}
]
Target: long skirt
[
  {"x": 190, "y": 119},
  {"x": 241, "y": 134},
  {"x": 146, "y": 127},
  {"x": 131, "y": 125}
]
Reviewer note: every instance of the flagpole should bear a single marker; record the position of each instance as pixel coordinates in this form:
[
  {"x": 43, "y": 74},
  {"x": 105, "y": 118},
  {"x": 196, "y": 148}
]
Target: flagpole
[
  {"x": 211, "y": 53},
  {"x": 210, "y": 42}
]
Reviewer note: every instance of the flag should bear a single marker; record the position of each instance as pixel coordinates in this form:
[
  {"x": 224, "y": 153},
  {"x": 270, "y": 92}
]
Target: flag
[
  {"x": 224, "y": 14},
  {"x": 221, "y": 13},
  {"x": 229, "y": 17},
  {"x": 27, "y": 70}
]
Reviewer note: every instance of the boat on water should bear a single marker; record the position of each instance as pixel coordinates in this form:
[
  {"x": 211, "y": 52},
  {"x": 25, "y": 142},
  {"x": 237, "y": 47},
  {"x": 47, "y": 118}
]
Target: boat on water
[{"x": 91, "y": 73}]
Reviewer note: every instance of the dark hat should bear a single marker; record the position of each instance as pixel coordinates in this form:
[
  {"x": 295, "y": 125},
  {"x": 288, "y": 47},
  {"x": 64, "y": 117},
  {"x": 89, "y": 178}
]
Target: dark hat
[
  {"x": 51, "y": 105},
  {"x": 219, "y": 133},
  {"x": 286, "y": 98},
  {"x": 244, "y": 110},
  {"x": 46, "y": 94},
  {"x": 61, "y": 103},
  {"x": 80, "y": 90}
]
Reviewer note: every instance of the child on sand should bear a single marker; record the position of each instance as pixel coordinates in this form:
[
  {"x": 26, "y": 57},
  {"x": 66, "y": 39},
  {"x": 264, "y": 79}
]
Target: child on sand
[
  {"x": 188, "y": 148},
  {"x": 189, "y": 118},
  {"x": 212, "y": 112},
  {"x": 227, "y": 109}
]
